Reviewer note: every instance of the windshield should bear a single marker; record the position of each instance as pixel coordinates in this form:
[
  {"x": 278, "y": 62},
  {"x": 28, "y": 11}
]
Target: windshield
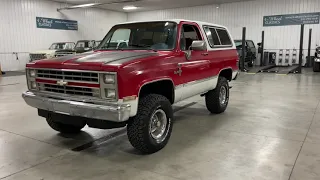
[
  {"x": 146, "y": 35},
  {"x": 59, "y": 46},
  {"x": 84, "y": 44}
]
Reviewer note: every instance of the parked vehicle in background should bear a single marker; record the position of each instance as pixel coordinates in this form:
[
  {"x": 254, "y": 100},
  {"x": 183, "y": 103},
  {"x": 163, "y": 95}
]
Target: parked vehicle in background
[
  {"x": 84, "y": 46},
  {"x": 80, "y": 47},
  {"x": 97, "y": 43},
  {"x": 134, "y": 85},
  {"x": 116, "y": 44},
  {"x": 251, "y": 51},
  {"x": 316, "y": 64},
  {"x": 51, "y": 52}
]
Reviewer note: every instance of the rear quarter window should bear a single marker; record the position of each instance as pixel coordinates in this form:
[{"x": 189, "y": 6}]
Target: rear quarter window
[
  {"x": 212, "y": 36},
  {"x": 217, "y": 37},
  {"x": 224, "y": 37}
]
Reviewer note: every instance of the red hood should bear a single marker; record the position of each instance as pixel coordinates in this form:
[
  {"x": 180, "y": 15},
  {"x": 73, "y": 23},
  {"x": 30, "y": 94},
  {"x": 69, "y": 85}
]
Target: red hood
[{"x": 100, "y": 60}]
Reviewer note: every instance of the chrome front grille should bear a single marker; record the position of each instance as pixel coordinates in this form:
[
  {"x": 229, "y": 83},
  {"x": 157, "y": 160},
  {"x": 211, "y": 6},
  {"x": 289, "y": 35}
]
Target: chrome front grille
[
  {"x": 34, "y": 57},
  {"x": 69, "y": 75},
  {"x": 76, "y": 82},
  {"x": 80, "y": 91}
]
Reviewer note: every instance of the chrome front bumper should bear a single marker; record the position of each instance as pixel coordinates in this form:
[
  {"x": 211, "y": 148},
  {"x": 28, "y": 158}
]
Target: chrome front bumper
[{"x": 112, "y": 112}]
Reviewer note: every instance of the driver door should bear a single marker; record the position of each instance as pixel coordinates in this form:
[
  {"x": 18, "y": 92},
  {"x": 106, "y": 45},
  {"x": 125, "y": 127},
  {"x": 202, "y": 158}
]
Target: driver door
[{"x": 194, "y": 69}]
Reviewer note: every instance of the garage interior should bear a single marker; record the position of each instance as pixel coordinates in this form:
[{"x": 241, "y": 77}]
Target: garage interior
[{"x": 271, "y": 129}]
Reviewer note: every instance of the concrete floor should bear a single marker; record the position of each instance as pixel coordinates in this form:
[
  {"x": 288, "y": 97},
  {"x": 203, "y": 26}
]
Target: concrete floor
[{"x": 271, "y": 130}]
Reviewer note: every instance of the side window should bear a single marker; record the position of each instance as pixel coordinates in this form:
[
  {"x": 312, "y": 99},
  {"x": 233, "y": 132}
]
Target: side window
[
  {"x": 189, "y": 34},
  {"x": 224, "y": 37},
  {"x": 212, "y": 36},
  {"x": 250, "y": 44}
]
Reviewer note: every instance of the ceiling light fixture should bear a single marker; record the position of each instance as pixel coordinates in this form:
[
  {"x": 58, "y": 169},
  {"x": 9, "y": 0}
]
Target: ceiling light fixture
[
  {"x": 129, "y": 7},
  {"x": 80, "y": 6},
  {"x": 84, "y": 5}
]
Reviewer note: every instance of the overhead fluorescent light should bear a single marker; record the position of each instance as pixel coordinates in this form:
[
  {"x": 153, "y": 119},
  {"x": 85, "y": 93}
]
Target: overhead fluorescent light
[
  {"x": 84, "y": 5},
  {"x": 129, "y": 7}
]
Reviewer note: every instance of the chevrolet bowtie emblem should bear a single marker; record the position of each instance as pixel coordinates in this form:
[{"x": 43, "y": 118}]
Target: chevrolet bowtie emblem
[{"x": 61, "y": 83}]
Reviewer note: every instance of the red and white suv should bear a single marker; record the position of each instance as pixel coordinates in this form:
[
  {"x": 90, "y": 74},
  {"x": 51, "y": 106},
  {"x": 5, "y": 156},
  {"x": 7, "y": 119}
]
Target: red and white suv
[{"x": 135, "y": 83}]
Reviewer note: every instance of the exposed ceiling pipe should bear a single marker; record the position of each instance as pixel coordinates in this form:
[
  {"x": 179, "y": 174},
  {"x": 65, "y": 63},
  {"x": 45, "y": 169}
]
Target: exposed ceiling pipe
[{"x": 95, "y": 4}]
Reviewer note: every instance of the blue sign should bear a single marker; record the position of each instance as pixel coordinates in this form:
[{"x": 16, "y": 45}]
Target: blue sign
[
  {"x": 49, "y": 23},
  {"x": 291, "y": 19}
]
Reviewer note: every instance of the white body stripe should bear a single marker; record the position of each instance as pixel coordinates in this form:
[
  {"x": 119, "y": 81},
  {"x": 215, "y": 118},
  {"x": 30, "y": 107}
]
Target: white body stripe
[{"x": 193, "y": 88}]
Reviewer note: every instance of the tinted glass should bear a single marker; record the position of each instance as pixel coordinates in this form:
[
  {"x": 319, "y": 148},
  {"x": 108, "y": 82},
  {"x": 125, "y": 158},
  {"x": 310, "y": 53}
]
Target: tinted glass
[
  {"x": 147, "y": 35},
  {"x": 224, "y": 37},
  {"x": 212, "y": 36}
]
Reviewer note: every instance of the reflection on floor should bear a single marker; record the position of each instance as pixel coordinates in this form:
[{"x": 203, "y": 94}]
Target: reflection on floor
[{"x": 271, "y": 130}]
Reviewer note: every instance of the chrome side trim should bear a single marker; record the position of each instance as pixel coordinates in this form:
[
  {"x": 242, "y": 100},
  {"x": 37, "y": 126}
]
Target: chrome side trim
[
  {"x": 195, "y": 82},
  {"x": 193, "y": 62}
]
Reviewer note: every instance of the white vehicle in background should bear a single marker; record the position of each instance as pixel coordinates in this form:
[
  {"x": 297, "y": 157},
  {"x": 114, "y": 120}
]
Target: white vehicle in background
[
  {"x": 52, "y": 51},
  {"x": 97, "y": 43}
]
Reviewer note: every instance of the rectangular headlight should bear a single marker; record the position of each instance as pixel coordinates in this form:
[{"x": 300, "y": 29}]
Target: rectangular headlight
[
  {"x": 32, "y": 73},
  {"x": 109, "y": 78},
  {"x": 110, "y": 93}
]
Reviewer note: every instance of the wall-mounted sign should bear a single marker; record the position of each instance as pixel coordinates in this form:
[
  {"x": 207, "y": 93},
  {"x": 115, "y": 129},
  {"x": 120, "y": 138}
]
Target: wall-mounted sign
[
  {"x": 49, "y": 23},
  {"x": 291, "y": 19}
]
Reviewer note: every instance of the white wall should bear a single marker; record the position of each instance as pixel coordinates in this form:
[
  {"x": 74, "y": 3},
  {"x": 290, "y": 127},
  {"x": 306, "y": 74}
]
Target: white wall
[
  {"x": 18, "y": 31},
  {"x": 249, "y": 14}
]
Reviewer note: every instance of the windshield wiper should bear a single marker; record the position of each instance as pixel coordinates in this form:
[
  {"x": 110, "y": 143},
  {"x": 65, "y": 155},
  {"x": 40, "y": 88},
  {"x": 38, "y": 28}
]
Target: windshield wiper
[
  {"x": 106, "y": 47},
  {"x": 149, "y": 47}
]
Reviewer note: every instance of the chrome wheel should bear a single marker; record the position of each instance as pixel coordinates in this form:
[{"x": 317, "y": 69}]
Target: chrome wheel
[
  {"x": 223, "y": 95},
  {"x": 158, "y": 126}
]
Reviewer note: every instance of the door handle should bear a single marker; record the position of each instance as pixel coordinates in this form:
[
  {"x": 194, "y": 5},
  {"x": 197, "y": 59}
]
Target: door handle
[{"x": 205, "y": 54}]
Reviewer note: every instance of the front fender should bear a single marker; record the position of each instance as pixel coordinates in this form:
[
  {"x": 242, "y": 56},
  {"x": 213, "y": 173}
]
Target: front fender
[{"x": 151, "y": 80}]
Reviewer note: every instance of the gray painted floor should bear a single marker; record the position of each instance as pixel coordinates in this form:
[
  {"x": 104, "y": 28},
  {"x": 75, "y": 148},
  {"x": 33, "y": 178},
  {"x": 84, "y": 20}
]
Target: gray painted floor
[{"x": 271, "y": 130}]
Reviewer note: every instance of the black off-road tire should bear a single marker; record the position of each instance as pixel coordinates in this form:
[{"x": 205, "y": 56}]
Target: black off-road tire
[
  {"x": 212, "y": 97},
  {"x": 138, "y": 126},
  {"x": 64, "y": 128},
  {"x": 316, "y": 67}
]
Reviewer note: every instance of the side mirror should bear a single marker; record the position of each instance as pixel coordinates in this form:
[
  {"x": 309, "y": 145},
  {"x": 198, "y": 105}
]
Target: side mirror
[
  {"x": 199, "y": 45},
  {"x": 259, "y": 44}
]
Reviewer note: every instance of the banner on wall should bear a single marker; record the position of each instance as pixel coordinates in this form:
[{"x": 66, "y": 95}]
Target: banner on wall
[
  {"x": 291, "y": 19},
  {"x": 50, "y": 23}
]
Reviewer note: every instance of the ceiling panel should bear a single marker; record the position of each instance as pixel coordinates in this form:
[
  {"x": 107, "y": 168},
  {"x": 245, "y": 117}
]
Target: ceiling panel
[{"x": 147, "y": 5}]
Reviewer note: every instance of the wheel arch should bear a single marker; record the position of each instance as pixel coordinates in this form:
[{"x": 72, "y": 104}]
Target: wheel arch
[
  {"x": 154, "y": 86},
  {"x": 227, "y": 73}
]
